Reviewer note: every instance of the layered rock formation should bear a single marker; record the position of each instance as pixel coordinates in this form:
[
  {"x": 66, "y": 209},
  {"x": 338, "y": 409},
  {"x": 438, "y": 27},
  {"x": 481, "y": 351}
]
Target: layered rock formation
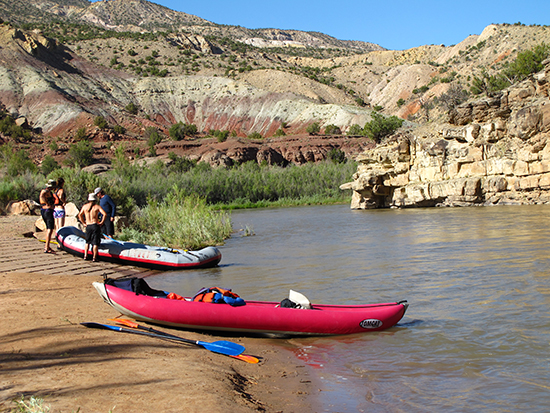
[{"x": 492, "y": 151}]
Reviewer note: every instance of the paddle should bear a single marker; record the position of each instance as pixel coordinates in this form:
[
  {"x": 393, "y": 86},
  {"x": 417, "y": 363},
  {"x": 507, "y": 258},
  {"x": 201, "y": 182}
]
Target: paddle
[
  {"x": 112, "y": 239},
  {"x": 128, "y": 323},
  {"x": 223, "y": 347}
]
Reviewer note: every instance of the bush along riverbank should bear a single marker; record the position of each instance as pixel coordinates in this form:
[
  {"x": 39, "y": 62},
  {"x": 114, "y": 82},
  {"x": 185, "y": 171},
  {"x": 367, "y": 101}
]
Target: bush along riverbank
[{"x": 180, "y": 204}]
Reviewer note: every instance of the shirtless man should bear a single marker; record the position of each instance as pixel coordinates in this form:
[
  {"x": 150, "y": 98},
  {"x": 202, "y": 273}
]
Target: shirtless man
[{"x": 89, "y": 216}]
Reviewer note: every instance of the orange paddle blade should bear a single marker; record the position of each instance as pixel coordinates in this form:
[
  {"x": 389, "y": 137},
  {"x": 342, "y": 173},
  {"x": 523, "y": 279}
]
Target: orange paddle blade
[
  {"x": 124, "y": 322},
  {"x": 247, "y": 358}
]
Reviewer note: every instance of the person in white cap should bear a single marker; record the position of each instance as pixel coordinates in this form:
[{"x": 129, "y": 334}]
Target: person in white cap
[
  {"x": 92, "y": 216},
  {"x": 106, "y": 202}
]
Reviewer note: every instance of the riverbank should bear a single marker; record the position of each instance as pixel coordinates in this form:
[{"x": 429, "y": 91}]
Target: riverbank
[{"x": 46, "y": 353}]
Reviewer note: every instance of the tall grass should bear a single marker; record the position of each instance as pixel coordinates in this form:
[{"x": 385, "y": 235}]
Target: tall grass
[
  {"x": 246, "y": 185},
  {"x": 179, "y": 221},
  {"x": 174, "y": 206}
]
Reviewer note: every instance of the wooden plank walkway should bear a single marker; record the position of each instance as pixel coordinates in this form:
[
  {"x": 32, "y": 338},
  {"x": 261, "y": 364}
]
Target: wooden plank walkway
[{"x": 25, "y": 255}]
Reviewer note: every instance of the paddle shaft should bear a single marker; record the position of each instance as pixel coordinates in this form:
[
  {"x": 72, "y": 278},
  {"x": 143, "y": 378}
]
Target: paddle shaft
[
  {"x": 222, "y": 347},
  {"x": 132, "y": 324}
]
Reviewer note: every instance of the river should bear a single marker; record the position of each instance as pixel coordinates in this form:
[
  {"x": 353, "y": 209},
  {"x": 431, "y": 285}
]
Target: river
[{"x": 476, "y": 335}]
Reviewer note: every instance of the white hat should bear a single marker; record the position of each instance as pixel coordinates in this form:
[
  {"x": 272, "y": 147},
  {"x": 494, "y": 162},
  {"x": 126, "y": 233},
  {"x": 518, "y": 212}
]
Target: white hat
[
  {"x": 97, "y": 190},
  {"x": 51, "y": 183},
  {"x": 92, "y": 197}
]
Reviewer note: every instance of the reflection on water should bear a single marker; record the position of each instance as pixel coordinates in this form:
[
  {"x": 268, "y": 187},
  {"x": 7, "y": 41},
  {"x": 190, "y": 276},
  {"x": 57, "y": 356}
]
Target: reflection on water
[{"x": 476, "y": 334}]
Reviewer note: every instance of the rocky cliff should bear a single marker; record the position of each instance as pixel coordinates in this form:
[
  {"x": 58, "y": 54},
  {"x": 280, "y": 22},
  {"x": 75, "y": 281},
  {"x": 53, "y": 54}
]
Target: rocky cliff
[
  {"x": 57, "y": 91},
  {"x": 493, "y": 151}
]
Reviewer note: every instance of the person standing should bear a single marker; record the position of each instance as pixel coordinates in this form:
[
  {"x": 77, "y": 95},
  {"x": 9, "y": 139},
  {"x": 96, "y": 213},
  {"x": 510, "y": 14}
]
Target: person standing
[
  {"x": 109, "y": 207},
  {"x": 59, "y": 205},
  {"x": 92, "y": 216},
  {"x": 47, "y": 202}
]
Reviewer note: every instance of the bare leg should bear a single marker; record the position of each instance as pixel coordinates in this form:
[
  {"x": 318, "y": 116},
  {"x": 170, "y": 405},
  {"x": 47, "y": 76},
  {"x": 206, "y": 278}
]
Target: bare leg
[
  {"x": 48, "y": 239},
  {"x": 86, "y": 252},
  {"x": 95, "y": 248}
]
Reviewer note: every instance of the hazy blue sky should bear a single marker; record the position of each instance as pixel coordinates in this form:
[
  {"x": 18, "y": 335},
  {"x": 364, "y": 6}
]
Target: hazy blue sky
[{"x": 393, "y": 24}]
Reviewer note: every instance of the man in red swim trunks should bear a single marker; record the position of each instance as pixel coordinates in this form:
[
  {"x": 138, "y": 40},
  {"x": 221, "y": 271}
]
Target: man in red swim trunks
[{"x": 89, "y": 216}]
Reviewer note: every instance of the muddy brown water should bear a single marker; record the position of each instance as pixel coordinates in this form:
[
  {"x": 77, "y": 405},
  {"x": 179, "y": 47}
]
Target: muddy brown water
[{"x": 476, "y": 334}]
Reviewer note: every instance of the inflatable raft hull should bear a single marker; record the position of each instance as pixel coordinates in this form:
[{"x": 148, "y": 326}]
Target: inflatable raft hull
[
  {"x": 258, "y": 317},
  {"x": 73, "y": 241}
]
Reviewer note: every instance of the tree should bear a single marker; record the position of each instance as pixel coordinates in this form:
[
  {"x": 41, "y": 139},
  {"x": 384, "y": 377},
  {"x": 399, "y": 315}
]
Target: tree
[
  {"x": 332, "y": 130},
  {"x": 153, "y": 138},
  {"x": 176, "y": 131},
  {"x": 526, "y": 63},
  {"x": 380, "y": 127},
  {"x": 453, "y": 97},
  {"x": 355, "y": 130}
]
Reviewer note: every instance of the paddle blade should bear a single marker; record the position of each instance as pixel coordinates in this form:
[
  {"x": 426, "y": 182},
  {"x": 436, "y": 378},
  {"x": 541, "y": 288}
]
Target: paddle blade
[
  {"x": 223, "y": 347},
  {"x": 101, "y": 326},
  {"x": 247, "y": 358},
  {"x": 124, "y": 322}
]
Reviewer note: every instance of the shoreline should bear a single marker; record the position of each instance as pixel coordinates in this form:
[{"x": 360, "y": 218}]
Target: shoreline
[{"x": 47, "y": 354}]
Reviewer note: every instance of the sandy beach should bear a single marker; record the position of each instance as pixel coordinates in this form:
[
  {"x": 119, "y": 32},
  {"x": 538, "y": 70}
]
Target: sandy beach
[{"x": 46, "y": 353}]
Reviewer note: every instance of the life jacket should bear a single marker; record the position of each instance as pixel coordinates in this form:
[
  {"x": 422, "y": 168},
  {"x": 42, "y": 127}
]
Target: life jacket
[
  {"x": 58, "y": 199},
  {"x": 218, "y": 295}
]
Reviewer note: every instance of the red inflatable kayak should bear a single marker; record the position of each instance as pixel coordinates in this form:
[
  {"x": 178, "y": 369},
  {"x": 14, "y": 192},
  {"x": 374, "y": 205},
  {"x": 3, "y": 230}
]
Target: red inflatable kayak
[{"x": 261, "y": 317}]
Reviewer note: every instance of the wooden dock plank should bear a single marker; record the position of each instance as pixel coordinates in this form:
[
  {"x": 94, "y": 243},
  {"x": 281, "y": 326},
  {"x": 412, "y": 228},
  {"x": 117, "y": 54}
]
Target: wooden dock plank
[{"x": 26, "y": 255}]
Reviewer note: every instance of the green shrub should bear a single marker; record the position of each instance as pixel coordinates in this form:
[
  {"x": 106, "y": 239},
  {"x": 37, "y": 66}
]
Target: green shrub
[
  {"x": 80, "y": 154},
  {"x": 119, "y": 129},
  {"x": 332, "y": 130},
  {"x": 180, "y": 221},
  {"x": 180, "y": 130},
  {"x": 355, "y": 130},
  {"x": 180, "y": 164},
  {"x": 525, "y": 64},
  {"x": 279, "y": 132},
  {"x": 220, "y": 135},
  {"x": 255, "y": 135},
  {"x": 100, "y": 122},
  {"x": 380, "y": 126},
  {"x": 10, "y": 128},
  {"x": 132, "y": 108},
  {"x": 313, "y": 129},
  {"x": 16, "y": 162},
  {"x": 81, "y": 134},
  {"x": 336, "y": 155},
  {"x": 49, "y": 164}
]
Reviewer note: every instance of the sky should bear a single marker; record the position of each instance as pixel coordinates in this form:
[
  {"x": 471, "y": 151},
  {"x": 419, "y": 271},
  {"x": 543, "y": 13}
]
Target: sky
[{"x": 393, "y": 24}]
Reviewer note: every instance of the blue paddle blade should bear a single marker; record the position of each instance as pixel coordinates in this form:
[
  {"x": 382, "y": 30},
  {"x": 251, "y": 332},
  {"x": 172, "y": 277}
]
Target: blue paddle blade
[{"x": 223, "y": 347}]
